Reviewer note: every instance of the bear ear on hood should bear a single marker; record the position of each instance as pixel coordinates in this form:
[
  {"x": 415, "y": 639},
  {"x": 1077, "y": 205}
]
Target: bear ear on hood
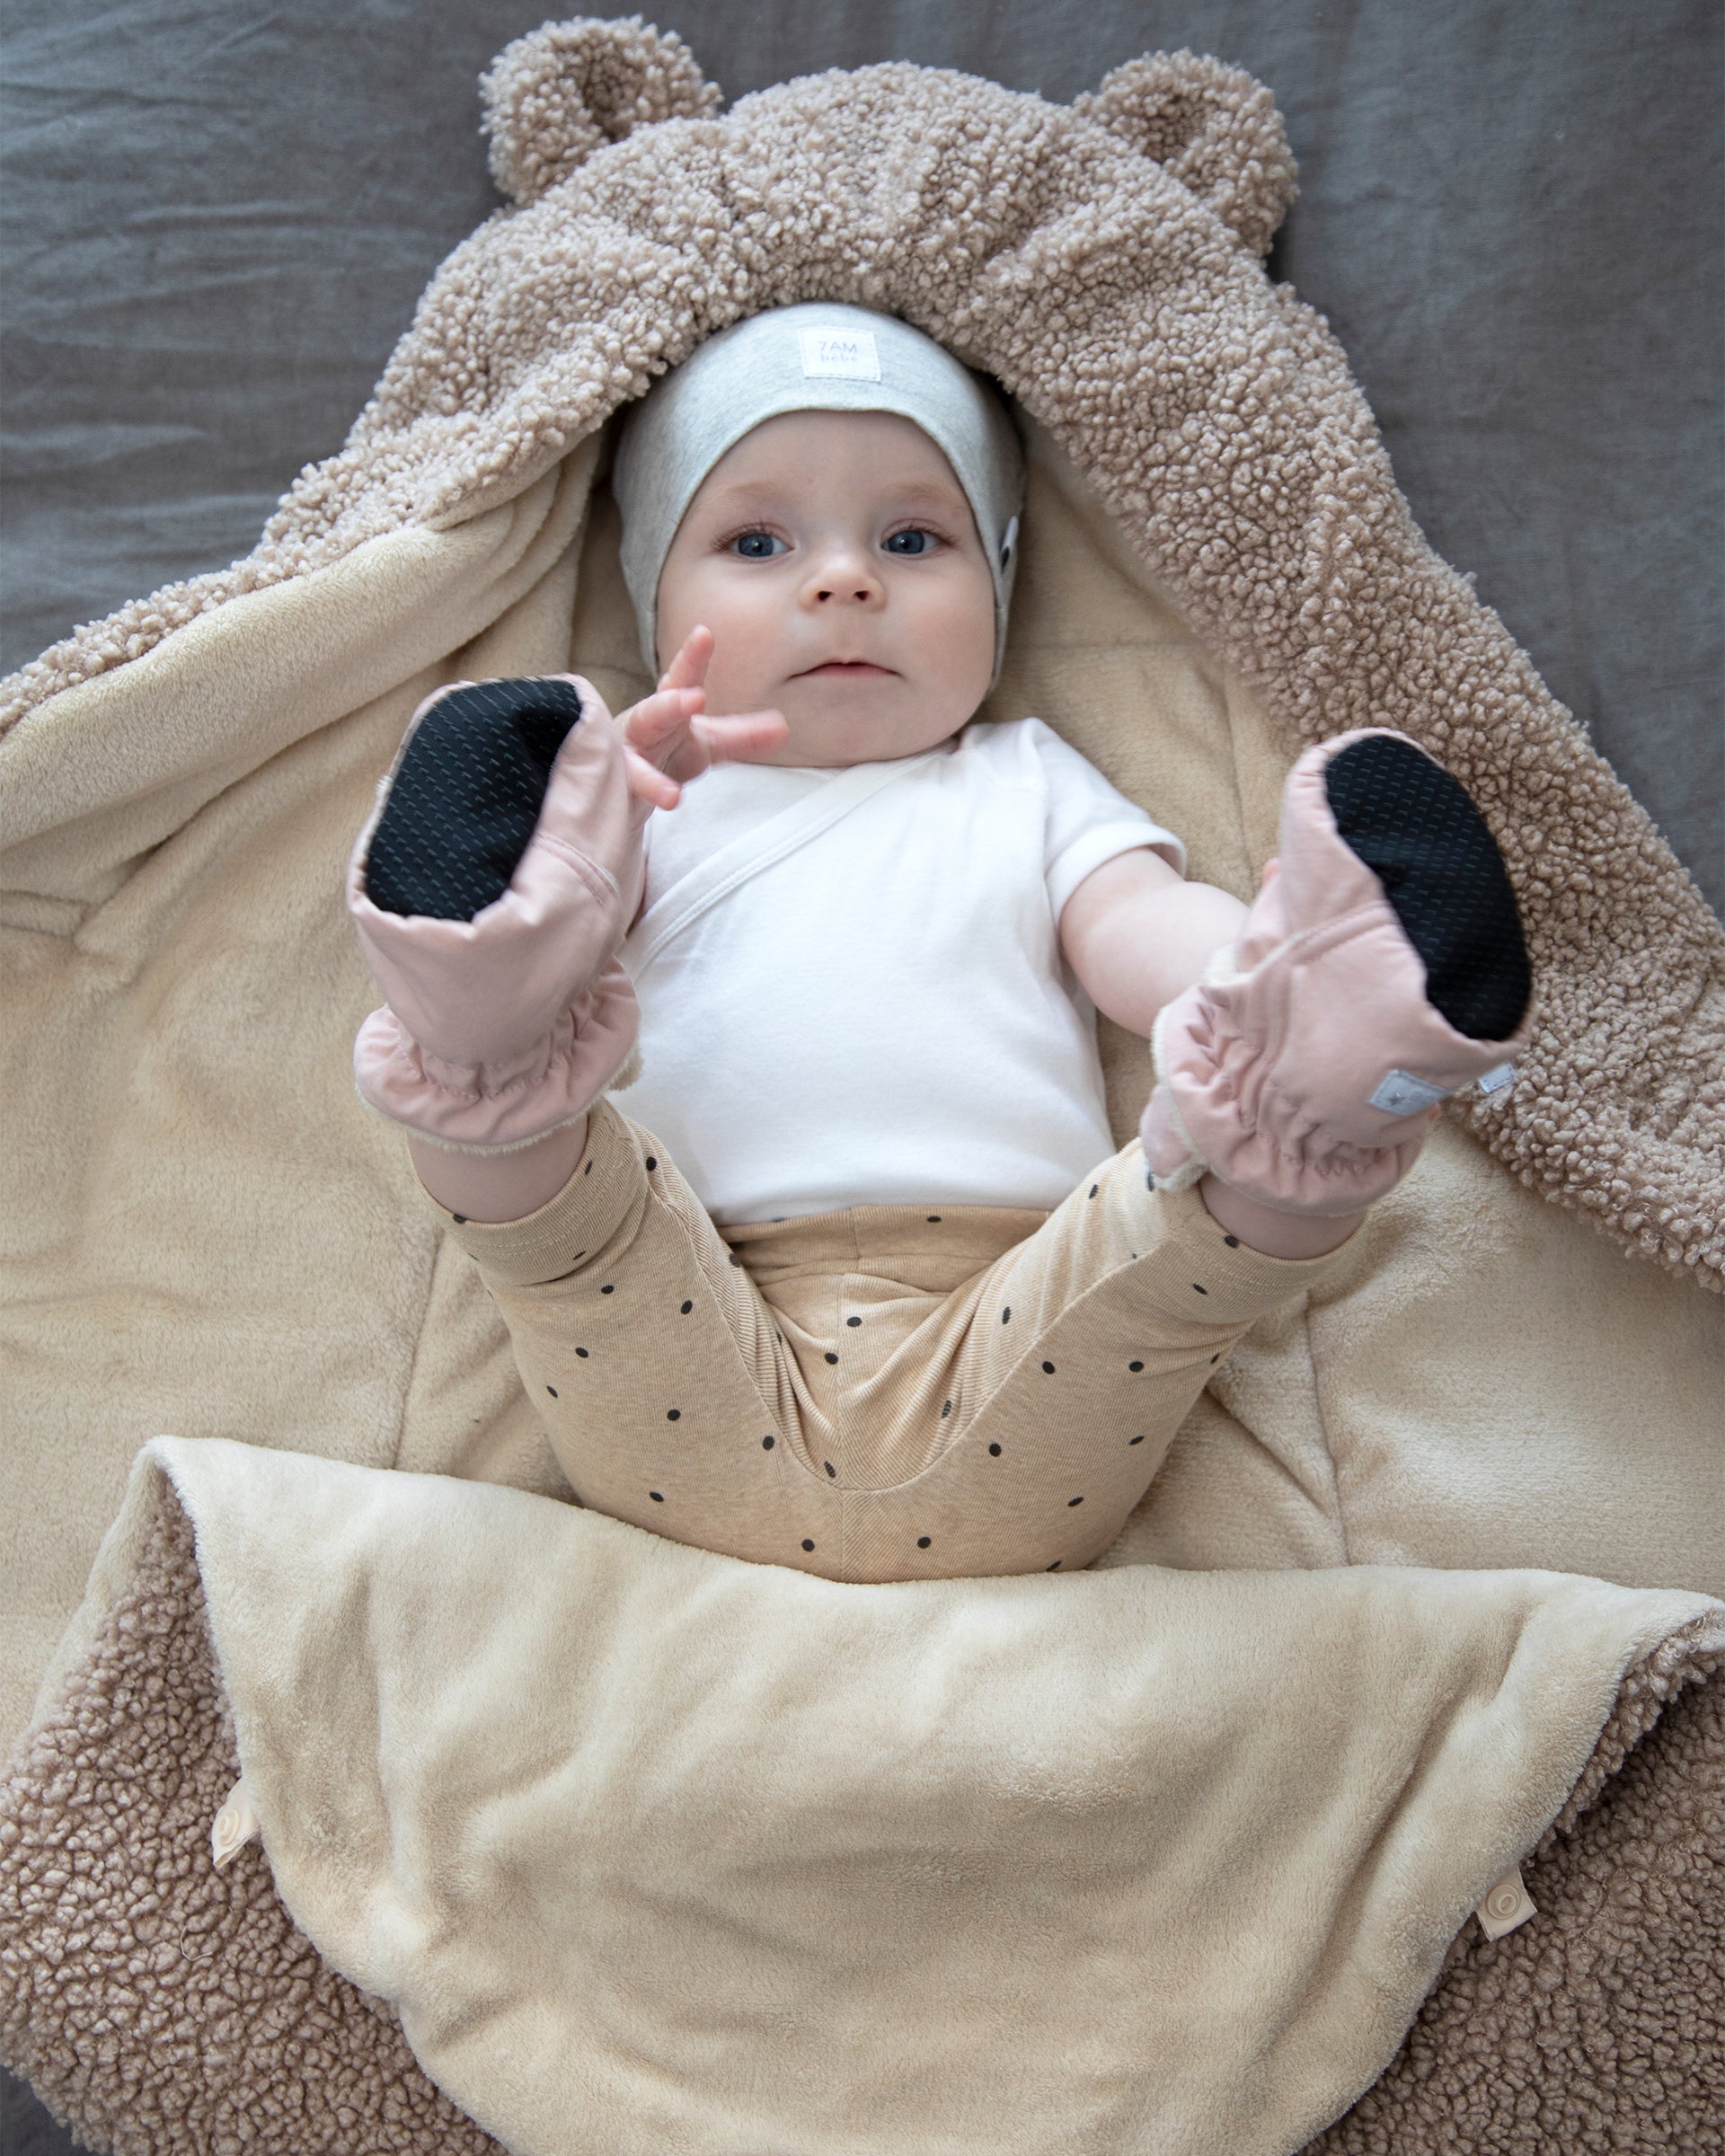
[
  {"x": 552, "y": 98},
  {"x": 1214, "y": 129}
]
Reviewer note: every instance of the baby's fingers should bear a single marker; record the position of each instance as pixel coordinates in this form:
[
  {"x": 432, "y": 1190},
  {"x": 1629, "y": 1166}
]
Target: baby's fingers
[
  {"x": 647, "y": 782},
  {"x": 742, "y": 735},
  {"x": 688, "y": 669},
  {"x": 653, "y": 725}
]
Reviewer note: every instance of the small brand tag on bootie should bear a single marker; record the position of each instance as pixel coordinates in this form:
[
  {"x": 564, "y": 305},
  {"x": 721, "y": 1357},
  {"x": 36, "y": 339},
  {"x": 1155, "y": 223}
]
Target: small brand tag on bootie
[
  {"x": 1499, "y": 1075},
  {"x": 849, "y": 354},
  {"x": 1507, "y": 1905},
  {"x": 1400, "y": 1093}
]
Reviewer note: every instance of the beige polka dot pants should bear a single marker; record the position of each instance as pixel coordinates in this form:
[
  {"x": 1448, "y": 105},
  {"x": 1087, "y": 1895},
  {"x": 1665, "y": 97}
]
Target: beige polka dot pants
[{"x": 891, "y": 1392}]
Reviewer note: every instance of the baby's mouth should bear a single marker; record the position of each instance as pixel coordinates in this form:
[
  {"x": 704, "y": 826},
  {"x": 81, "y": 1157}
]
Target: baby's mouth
[{"x": 853, "y": 669}]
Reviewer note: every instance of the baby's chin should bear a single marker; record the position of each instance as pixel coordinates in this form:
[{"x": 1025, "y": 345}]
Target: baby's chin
[{"x": 836, "y": 722}]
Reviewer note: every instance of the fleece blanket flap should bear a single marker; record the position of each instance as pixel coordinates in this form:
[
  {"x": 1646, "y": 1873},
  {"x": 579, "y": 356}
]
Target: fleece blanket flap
[{"x": 653, "y": 1851}]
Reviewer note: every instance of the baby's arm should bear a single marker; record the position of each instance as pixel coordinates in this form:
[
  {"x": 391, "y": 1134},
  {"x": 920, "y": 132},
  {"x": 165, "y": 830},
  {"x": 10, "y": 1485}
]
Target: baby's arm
[{"x": 1138, "y": 934}]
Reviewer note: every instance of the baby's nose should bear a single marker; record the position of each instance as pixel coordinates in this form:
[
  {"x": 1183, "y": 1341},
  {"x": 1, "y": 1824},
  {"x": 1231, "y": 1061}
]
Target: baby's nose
[{"x": 843, "y": 575}]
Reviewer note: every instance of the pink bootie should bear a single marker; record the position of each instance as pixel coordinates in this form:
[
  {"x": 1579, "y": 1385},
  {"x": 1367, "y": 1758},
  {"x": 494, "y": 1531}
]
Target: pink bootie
[
  {"x": 1381, "y": 969},
  {"x": 491, "y": 890}
]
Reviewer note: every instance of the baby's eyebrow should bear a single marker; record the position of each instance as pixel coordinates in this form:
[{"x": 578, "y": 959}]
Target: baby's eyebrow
[
  {"x": 924, "y": 494},
  {"x": 741, "y": 492}
]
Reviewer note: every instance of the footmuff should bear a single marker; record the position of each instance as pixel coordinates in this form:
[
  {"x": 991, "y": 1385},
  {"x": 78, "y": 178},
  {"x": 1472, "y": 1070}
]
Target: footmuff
[{"x": 570, "y": 1836}]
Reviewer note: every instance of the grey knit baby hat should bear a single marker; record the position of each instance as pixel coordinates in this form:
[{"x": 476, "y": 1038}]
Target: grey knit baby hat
[{"x": 811, "y": 358}]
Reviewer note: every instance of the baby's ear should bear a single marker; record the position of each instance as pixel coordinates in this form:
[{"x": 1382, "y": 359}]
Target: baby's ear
[
  {"x": 1214, "y": 128},
  {"x": 552, "y": 98}
]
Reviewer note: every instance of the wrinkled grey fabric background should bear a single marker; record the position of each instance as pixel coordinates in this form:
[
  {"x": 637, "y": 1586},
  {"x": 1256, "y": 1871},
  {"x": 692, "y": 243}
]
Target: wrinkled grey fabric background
[{"x": 217, "y": 215}]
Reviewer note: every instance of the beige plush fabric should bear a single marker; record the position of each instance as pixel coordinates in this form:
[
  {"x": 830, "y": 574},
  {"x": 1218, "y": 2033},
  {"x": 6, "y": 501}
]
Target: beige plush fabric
[
  {"x": 959, "y": 1868},
  {"x": 156, "y": 2004},
  {"x": 1600, "y": 2024}
]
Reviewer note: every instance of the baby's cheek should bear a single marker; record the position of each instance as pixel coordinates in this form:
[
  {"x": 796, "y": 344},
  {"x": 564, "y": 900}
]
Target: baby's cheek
[{"x": 739, "y": 676}]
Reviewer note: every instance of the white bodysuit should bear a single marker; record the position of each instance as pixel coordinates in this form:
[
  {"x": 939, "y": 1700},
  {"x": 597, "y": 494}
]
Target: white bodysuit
[{"x": 851, "y": 982}]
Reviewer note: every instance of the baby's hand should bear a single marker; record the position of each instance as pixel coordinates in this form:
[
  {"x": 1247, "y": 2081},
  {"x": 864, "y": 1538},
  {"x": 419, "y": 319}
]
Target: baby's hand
[{"x": 669, "y": 741}]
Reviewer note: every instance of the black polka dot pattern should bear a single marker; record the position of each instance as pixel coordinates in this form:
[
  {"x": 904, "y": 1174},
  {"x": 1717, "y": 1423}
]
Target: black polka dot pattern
[
  {"x": 1035, "y": 1462},
  {"x": 652, "y": 1163},
  {"x": 460, "y": 1219}
]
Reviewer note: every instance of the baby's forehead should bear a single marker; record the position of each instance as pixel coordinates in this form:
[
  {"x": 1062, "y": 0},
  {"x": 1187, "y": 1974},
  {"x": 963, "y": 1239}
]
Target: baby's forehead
[{"x": 806, "y": 452}]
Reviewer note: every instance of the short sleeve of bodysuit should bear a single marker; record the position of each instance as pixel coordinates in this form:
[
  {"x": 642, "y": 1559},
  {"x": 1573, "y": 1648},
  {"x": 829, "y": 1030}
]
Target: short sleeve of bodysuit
[{"x": 1088, "y": 821}]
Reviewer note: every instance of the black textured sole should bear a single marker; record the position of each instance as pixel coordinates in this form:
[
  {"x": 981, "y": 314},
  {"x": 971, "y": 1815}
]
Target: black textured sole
[
  {"x": 1418, "y": 831},
  {"x": 467, "y": 795}
]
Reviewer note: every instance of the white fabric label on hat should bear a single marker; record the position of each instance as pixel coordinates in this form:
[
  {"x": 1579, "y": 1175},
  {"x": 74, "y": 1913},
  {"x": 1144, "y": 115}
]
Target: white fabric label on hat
[{"x": 849, "y": 354}]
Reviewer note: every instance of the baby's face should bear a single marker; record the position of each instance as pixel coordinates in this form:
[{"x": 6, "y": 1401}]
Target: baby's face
[{"x": 835, "y": 558}]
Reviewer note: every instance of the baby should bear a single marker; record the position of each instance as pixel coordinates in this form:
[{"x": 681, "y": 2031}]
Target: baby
[{"x": 859, "y": 1288}]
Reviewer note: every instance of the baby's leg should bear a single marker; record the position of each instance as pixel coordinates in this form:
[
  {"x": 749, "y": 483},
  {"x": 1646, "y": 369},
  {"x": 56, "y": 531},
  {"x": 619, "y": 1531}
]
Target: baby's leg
[
  {"x": 1381, "y": 970},
  {"x": 653, "y": 1361},
  {"x": 1032, "y": 1410}
]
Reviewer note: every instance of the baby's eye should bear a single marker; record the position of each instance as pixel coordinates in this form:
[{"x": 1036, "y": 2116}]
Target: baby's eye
[
  {"x": 757, "y": 546},
  {"x": 914, "y": 542}
]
